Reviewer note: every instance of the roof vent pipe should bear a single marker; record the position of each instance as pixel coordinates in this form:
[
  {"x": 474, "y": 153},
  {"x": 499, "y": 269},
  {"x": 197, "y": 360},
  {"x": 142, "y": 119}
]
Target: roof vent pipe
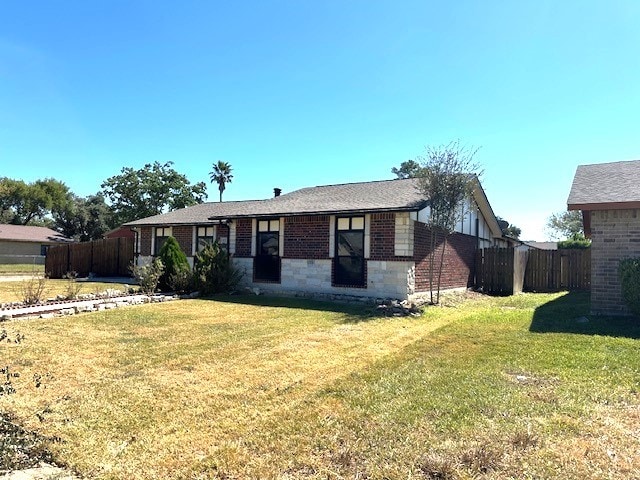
[{"x": 277, "y": 191}]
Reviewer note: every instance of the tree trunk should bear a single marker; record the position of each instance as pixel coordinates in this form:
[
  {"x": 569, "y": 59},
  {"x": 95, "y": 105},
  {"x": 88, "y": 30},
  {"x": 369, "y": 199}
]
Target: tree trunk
[{"x": 444, "y": 245}]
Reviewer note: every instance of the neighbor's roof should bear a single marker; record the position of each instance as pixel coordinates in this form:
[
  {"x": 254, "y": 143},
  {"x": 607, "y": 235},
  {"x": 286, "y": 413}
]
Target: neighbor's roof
[
  {"x": 385, "y": 195},
  {"x": 606, "y": 186},
  {"x": 22, "y": 233}
]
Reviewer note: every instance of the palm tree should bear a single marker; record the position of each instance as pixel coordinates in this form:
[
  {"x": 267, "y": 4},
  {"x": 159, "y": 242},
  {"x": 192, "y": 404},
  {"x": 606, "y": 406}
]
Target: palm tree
[{"x": 221, "y": 174}]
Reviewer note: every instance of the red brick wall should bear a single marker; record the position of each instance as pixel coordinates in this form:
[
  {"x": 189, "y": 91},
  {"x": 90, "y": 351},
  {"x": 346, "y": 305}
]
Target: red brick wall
[
  {"x": 145, "y": 240},
  {"x": 184, "y": 235},
  {"x": 382, "y": 235},
  {"x": 222, "y": 232},
  {"x": 243, "y": 237},
  {"x": 459, "y": 259},
  {"x": 306, "y": 236}
]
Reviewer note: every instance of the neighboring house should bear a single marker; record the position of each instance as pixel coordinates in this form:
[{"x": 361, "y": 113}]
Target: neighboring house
[
  {"x": 530, "y": 244},
  {"x": 360, "y": 239},
  {"x": 26, "y": 244},
  {"x": 120, "y": 232},
  {"x": 608, "y": 194}
]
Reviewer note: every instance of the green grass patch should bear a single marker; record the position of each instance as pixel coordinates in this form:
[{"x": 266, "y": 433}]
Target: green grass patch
[
  {"x": 21, "y": 269},
  {"x": 253, "y": 387}
]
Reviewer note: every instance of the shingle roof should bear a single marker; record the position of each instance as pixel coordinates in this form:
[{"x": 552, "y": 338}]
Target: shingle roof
[
  {"x": 385, "y": 195},
  {"x": 22, "y": 233},
  {"x": 605, "y": 185}
]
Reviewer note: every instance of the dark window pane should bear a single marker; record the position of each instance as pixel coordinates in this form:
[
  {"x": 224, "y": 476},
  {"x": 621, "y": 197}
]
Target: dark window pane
[
  {"x": 159, "y": 243},
  {"x": 267, "y": 267},
  {"x": 351, "y": 244},
  {"x": 268, "y": 243},
  {"x": 349, "y": 271}
]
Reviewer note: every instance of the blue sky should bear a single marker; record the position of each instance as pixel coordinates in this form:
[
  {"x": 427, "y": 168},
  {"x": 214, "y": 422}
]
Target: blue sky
[{"x": 302, "y": 93}]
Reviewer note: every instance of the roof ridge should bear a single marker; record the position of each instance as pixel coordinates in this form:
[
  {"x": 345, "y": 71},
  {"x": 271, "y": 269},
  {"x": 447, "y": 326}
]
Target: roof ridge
[
  {"x": 346, "y": 184},
  {"x": 608, "y": 163}
]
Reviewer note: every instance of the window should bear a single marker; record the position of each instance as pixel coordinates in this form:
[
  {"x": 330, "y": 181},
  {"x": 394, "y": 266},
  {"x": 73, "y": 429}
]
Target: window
[
  {"x": 162, "y": 233},
  {"x": 204, "y": 236},
  {"x": 349, "y": 260},
  {"x": 43, "y": 250},
  {"x": 267, "y": 261}
]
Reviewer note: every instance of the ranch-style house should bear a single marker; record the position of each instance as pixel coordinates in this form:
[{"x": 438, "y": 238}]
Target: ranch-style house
[{"x": 365, "y": 239}]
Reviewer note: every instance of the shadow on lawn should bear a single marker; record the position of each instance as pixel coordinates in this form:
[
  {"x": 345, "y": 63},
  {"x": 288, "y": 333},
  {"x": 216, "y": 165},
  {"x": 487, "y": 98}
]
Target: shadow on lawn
[
  {"x": 353, "y": 312},
  {"x": 570, "y": 314}
]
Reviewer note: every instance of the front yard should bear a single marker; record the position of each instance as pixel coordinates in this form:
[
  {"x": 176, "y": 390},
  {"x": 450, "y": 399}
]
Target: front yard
[{"x": 253, "y": 387}]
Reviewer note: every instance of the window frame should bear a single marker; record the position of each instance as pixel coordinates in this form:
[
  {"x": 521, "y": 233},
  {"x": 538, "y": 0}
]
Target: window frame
[
  {"x": 345, "y": 224},
  {"x": 267, "y": 265},
  {"x": 207, "y": 238},
  {"x": 157, "y": 245}
]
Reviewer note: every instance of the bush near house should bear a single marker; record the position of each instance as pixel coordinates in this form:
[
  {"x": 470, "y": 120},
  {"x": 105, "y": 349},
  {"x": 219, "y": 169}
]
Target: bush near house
[
  {"x": 176, "y": 266},
  {"x": 214, "y": 271},
  {"x": 629, "y": 272}
]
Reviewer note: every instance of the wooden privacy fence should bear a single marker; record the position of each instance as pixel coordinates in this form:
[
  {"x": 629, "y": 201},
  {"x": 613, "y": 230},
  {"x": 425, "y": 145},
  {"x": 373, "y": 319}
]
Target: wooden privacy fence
[
  {"x": 108, "y": 257},
  {"x": 500, "y": 271},
  {"x": 504, "y": 271},
  {"x": 555, "y": 270}
]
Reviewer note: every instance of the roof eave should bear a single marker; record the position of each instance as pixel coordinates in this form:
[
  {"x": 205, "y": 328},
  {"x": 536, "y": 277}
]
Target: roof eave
[
  {"x": 604, "y": 206},
  {"x": 413, "y": 208}
]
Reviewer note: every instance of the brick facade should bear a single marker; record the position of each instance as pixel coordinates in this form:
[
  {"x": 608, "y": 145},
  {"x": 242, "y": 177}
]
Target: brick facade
[
  {"x": 382, "y": 233},
  {"x": 243, "y": 237},
  {"x": 615, "y": 235},
  {"x": 459, "y": 259},
  {"x": 184, "y": 236},
  {"x": 145, "y": 240},
  {"x": 307, "y": 266},
  {"x": 306, "y": 237}
]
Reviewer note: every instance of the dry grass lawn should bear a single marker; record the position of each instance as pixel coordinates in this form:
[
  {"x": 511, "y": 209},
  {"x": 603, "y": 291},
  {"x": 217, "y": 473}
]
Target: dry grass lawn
[
  {"x": 15, "y": 290},
  {"x": 247, "y": 387}
]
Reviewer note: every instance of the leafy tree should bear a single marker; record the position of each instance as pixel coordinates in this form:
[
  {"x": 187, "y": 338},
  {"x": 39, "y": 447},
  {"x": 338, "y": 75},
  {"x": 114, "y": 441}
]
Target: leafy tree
[
  {"x": 221, "y": 174},
  {"x": 154, "y": 189},
  {"x": 84, "y": 218},
  {"x": 447, "y": 178},
  {"x": 408, "y": 169},
  {"x": 508, "y": 230},
  {"x": 577, "y": 241},
  {"x": 31, "y": 203},
  {"x": 174, "y": 260},
  {"x": 565, "y": 225}
]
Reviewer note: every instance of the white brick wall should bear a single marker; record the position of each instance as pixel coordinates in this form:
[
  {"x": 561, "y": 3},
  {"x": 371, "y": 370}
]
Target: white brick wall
[
  {"x": 404, "y": 235},
  {"x": 309, "y": 277}
]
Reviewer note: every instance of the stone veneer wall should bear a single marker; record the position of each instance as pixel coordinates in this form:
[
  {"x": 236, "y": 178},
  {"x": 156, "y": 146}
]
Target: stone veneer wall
[
  {"x": 615, "y": 235},
  {"x": 312, "y": 277}
]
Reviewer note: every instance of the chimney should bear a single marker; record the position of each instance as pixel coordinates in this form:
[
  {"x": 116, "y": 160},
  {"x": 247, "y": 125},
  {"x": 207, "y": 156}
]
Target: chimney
[{"x": 277, "y": 191}]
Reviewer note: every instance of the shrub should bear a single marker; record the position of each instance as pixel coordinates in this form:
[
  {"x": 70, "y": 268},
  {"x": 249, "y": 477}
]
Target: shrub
[
  {"x": 181, "y": 281},
  {"x": 174, "y": 260},
  {"x": 629, "y": 273},
  {"x": 148, "y": 276},
  {"x": 577, "y": 241},
  {"x": 33, "y": 290},
  {"x": 73, "y": 288},
  {"x": 214, "y": 271}
]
